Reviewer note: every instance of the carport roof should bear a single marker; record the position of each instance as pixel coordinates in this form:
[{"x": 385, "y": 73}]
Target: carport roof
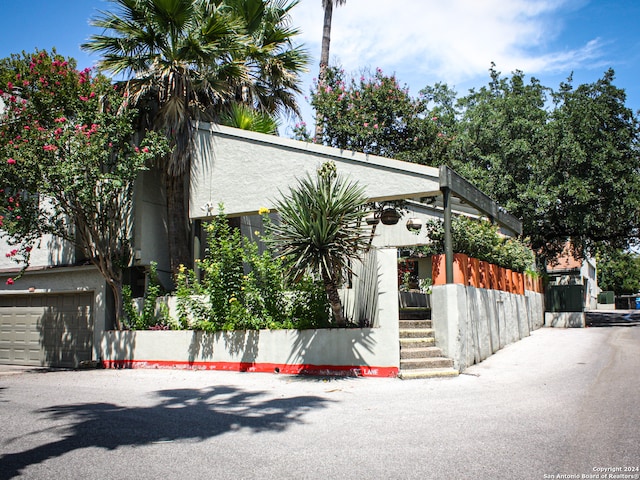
[{"x": 246, "y": 171}]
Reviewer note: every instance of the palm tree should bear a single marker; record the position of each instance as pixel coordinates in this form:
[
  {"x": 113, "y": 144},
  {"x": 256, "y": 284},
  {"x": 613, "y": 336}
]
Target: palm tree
[
  {"x": 244, "y": 117},
  {"x": 327, "y": 5},
  {"x": 320, "y": 230},
  {"x": 187, "y": 60},
  {"x": 272, "y": 63}
]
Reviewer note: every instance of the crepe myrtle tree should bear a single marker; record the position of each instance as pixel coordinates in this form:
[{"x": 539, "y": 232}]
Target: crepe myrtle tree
[
  {"x": 68, "y": 163},
  {"x": 321, "y": 230}
]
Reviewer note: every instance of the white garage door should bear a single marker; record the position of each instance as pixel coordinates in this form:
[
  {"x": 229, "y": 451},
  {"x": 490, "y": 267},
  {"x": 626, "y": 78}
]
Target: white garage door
[{"x": 46, "y": 330}]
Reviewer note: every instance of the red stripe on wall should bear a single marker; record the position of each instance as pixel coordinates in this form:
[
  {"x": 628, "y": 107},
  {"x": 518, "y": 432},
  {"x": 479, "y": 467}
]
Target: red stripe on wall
[{"x": 295, "y": 369}]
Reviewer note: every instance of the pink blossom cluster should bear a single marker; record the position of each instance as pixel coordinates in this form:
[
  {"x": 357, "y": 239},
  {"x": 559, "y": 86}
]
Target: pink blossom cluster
[{"x": 86, "y": 130}]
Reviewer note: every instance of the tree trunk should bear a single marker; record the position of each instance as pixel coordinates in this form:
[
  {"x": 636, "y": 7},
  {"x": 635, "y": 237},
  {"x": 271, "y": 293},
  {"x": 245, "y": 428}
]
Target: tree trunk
[
  {"x": 324, "y": 59},
  {"x": 178, "y": 221},
  {"x": 334, "y": 299},
  {"x": 116, "y": 288}
]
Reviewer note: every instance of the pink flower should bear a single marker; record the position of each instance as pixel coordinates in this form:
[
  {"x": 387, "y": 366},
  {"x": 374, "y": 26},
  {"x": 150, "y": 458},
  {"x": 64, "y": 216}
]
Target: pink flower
[
  {"x": 60, "y": 120},
  {"x": 84, "y": 99},
  {"x": 375, "y": 126},
  {"x": 434, "y": 118},
  {"x": 50, "y": 148},
  {"x": 10, "y": 281},
  {"x": 145, "y": 150},
  {"x": 366, "y": 124},
  {"x": 28, "y": 249},
  {"x": 11, "y": 161}
]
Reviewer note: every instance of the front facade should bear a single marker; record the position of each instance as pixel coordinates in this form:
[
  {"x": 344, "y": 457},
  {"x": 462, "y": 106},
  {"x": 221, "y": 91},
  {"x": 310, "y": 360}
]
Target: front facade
[{"x": 244, "y": 172}]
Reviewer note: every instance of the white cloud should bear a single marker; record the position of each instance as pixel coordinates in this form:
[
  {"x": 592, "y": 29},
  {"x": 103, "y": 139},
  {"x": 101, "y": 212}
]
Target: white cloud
[{"x": 452, "y": 41}]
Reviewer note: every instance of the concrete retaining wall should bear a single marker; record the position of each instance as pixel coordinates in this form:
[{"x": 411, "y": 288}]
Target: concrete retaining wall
[
  {"x": 361, "y": 351},
  {"x": 565, "y": 319},
  {"x": 473, "y": 323},
  {"x": 358, "y": 351}
]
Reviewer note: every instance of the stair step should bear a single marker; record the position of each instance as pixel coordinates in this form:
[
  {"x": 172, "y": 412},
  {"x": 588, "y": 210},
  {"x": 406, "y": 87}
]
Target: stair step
[
  {"x": 417, "y": 342},
  {"x": 428, "y": 373},
  {"x": 420, "y": 352},
  {"x": 414, "y": 313},
  {"x": 432, "y": 362},
  {"x": 416, "y": 332},
  {"x": 422, "y": 323}
]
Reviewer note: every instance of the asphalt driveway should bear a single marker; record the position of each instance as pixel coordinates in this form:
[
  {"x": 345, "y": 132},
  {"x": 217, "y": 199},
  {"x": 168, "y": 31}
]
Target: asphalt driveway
[{"x": 558, "y": 403}]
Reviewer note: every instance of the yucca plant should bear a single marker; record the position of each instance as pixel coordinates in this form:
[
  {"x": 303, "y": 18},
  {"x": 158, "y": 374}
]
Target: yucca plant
[{"x": 321, "y": 230}]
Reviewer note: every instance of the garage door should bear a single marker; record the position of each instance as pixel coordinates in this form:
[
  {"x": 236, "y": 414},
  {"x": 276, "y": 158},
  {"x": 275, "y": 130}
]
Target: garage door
[{"x": 46, "y": 330}]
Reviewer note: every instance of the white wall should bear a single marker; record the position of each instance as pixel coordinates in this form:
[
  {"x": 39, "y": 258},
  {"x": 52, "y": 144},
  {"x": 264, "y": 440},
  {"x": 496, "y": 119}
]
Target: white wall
[
  {"x": 473, "y": 323},
  {"x": 246, "y": 170}
]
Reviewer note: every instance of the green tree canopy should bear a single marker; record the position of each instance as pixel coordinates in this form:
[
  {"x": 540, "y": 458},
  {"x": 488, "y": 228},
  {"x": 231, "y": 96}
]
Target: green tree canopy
[
  {"x": 618, "y": 271},
  {"x": 566, "y": 162},
  {"x": 569, "y": 169},
  {"x": 373, "y": 114}
]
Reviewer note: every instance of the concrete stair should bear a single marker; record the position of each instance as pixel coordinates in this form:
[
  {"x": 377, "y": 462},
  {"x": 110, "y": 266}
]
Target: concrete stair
[{"x": 419, "y": 356}]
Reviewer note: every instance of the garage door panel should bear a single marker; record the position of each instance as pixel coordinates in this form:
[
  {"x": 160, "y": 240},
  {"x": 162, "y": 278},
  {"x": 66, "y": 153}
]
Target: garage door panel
[{"x": 51, "y": 330}]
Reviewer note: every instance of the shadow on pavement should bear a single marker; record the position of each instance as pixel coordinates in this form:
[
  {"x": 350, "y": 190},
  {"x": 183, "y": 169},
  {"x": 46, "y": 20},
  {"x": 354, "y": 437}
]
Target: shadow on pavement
[
  {"x": 612, "y": 318},
  {"x": 184, "y": 414}
]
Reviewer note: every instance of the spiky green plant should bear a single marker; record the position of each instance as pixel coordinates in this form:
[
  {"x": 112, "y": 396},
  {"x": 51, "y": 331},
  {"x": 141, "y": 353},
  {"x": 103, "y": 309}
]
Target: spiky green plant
[{"x": 321, "y": 230}]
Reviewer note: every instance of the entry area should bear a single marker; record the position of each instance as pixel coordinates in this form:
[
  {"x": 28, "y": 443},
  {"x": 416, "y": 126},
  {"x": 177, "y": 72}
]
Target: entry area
[{"x": 46, "y": 330}]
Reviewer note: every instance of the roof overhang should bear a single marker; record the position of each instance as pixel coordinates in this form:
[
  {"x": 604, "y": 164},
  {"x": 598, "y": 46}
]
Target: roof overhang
[{"x": 245, "y": 171}]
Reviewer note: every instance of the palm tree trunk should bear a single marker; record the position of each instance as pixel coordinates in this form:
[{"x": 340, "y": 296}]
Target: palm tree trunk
[
  {"x": 333, "y": 296},
  {"x": 324, "y": 58},
  {"x": 178, "y": 220}
]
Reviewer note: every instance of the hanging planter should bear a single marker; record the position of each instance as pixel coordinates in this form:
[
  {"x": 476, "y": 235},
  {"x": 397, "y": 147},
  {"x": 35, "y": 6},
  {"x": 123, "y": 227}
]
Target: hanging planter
[
  {"x": 414, "y": 225},
  {"x": 389, "y": 216},
  {"x": 372, "y": 219}
]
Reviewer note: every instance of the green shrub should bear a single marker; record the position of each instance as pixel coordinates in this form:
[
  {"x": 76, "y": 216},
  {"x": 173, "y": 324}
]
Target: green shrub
[
  {"x": 479, "y": 239},
  {"x": 242, "y": 289},
  {"x": 151, "y": 316}
]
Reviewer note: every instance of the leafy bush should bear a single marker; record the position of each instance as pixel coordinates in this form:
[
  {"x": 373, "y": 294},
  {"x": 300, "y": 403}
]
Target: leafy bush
[
  {"x": 152, "y": 316},
  {"x": 479, "y": 239},
  {"x": 242, "y": 289}
]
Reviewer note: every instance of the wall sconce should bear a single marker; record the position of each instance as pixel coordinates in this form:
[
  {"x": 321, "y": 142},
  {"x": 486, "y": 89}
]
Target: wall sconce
[{"x": 207, "y": 208}]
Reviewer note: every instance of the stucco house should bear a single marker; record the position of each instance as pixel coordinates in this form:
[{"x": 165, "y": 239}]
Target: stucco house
[{"x": 60, "y": 312}]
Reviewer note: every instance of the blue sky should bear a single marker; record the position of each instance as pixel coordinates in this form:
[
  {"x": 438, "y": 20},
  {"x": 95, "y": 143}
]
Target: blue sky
[{"x": 421, "y": 41}]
